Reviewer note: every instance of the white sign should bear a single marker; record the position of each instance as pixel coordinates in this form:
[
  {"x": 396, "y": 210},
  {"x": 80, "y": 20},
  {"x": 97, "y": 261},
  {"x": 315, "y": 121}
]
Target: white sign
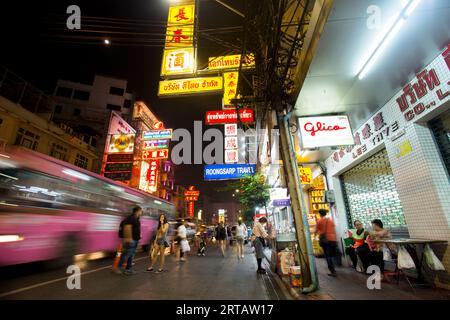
[
  {"x": 231, "y": 143},
  {"x": 278, "y": 193},
  {"x": 231, "y": 156},
  {"x": 231, "y": 129},
  {"x": 325, "y": 131}
]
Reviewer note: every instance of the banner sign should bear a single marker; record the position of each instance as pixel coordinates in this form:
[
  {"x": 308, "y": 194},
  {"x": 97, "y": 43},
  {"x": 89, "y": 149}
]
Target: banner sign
[
  {"x": 281, "y": 203},
  {"x": 157, "y": 134},
  {"x": 181, "y": 15},
  {"x": 228, "y": 116},
  {"x": 119, "y": 176},
  {"x": 228, "y": 171},
  {"x": 121, "y": 143},
  {"x": 119, "y": 158},
  {"x": 155, "y": 154},
  {"x": 230, "y": 62},
  {"x": 325, "y": 131},
  {"x": 190, "y": 86},
  {"x": 114, "y": 167},
  {"x": 155, "y": 144},
  {"x": 191, "y": 209},
  {"x": 230, "y": 84},
  {"x": 142, "y": 112}
]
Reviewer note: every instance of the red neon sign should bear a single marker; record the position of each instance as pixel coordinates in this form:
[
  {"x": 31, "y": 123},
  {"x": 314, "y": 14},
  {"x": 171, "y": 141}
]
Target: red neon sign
[
  {"x": 155, "y": 154},
  {"x": 228, "y": 116}
]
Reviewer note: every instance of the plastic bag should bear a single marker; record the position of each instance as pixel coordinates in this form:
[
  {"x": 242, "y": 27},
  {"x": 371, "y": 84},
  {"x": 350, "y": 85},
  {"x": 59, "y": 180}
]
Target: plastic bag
[
  {"x": 387, "y": 256},
  {"x": 432, "y": 261},
  {"x": 404, "y": 259},
  {"x": 185, "y": 246}
]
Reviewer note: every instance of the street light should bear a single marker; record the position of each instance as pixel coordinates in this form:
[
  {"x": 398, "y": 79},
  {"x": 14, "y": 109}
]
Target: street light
[{"x": 106, "y": 41}]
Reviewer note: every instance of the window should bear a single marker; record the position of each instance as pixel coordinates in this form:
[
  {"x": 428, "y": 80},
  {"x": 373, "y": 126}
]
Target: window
[
  {"x": 81, "y": 95},
  {"x": 64, "y": 92},
  {"x": 27, "y": 139},
  {"x": 81, "y": 161},
  {"x": 127, "y": 103},
  {"x": 116, "y": 91},
  {"x": 113, "y": 107},
  {"x": 76, "y": 112},
  {"x": 58, "y": 152},
  {"x": 58, "y": 108}
]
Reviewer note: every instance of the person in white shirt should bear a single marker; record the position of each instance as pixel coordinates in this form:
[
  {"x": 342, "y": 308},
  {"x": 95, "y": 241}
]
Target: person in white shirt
[
  {"x": 259, "y": 235},
  {"x": 241, "y": 231},
  {"x": 182, "y": 241}
]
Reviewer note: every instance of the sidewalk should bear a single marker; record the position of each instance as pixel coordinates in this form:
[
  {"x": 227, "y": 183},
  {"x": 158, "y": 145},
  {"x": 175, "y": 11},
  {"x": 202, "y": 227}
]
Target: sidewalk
[{"x": 351, "y": 285}]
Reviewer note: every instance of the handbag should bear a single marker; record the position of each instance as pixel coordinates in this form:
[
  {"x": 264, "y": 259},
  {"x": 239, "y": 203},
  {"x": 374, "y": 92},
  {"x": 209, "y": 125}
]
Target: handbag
[
  {"x": 432, "y": 261},
  {"x": 323, "y": 237}
]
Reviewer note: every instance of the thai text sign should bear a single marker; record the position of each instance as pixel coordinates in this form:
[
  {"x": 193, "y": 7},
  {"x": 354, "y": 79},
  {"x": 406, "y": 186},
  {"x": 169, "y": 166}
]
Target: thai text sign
[
  {"x": 228, "y": 171},
  {"x": 190, "y": 86},
  {"x": 155, "y": 144},
  {"x": 230, "y": 62},
  {"x": 325, "y": 131},
  {"x": 229, "y": 116},
  {"x": 157, "y": 134}
]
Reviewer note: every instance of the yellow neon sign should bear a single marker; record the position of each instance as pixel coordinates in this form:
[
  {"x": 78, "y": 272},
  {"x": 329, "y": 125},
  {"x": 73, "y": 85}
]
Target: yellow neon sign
[
  {"x": 178, "y": 61},
  {"x": 230, "y": 62},
  {"x": 230, "y": 86},
  {"x": 179, "y": 15},
  {"x": 190, "y": 86}
]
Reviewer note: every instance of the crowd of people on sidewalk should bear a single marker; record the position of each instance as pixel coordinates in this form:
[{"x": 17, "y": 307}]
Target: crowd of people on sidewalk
[{"x": 130, "y": 233}]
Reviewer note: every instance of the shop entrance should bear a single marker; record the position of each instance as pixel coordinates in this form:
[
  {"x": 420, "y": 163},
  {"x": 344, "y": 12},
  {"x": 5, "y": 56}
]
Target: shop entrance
[
  {"x": 370, "y": 193},
  {"x": 441, "y": 130}
]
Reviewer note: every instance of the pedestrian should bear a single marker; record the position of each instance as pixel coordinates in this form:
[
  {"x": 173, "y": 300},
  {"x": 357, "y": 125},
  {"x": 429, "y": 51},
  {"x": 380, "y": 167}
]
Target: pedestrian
[
  {"x": 229, "y": 234},
  {"x": 327, "y": 239},
  {"x": 259, "y": 236},
  {"x": 160, "y": 244},
  {"x": 241, "y": 231},
  {"x": 376, "y": 255},
  {"x": 221, "y": 236},
  {"x": 182, "y": 241},
  {"x": 359, "y": 248},
  {"x": 130, "y": 231}
]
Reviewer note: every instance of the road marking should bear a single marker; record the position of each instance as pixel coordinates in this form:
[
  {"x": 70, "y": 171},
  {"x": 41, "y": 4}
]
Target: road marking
[{"x": 56, "y": 280}]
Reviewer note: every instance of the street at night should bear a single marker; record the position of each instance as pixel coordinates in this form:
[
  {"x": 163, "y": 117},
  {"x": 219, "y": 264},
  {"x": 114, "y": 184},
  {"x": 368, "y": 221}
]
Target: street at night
[{"x": 253, "y": 156}]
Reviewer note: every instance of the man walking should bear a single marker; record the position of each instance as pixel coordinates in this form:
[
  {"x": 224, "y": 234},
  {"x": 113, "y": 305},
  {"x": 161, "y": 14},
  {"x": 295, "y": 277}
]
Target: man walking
[
  {"x": 327, "y": 235},
  {"x": 131, "y": 234}
]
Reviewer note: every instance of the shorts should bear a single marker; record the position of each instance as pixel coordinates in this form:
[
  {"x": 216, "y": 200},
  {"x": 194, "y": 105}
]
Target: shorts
[{"x": 240, "y": 240}]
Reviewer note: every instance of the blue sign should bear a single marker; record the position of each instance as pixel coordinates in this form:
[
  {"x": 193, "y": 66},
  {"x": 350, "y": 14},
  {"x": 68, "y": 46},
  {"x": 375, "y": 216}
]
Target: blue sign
[
  {"x": 281, "y": 203},
  {"x": 157, "y": 134},
  {"x": 228, "y": 171}
]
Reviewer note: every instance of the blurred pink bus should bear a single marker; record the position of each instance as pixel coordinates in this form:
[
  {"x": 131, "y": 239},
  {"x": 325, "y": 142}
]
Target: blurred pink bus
[{"x": 50, "y": 209}]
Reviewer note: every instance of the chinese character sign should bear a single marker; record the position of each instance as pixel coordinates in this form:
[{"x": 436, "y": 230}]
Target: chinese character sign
[
  {"x": 230, "y": 130},
  {"x": 179, "y": 61},
  {"x": 155, "y": 154},
  {"x": 230, "y": 85},
  {"x": 231, "y": 143},
  {"x": 179, "y": 15},
  {"x": 305, "y": 175},
  {"x": 180, "y": 36},
  {"x": 231, "y": 156}
]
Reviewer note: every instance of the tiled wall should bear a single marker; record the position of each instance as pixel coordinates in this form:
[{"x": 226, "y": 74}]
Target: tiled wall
[{"x": 423, "y": 185}]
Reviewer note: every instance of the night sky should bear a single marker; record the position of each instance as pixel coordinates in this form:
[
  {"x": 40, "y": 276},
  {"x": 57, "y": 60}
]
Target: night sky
[{"x": 37, "y": 46}]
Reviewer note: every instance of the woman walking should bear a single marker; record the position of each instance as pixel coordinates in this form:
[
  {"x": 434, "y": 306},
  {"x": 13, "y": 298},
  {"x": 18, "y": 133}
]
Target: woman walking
[
  {"x": 221, "y": 236},
  {"x": 160, "y": 243},
  {"x": 241, "y": 230}
]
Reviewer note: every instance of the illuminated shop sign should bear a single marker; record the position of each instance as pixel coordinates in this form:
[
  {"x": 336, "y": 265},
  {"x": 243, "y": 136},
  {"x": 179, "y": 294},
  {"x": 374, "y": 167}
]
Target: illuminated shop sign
[
  {"x": 149, "y": 176},
  {"x": 119, "y": 158},
  {"x": 325, "y": 131},
  {"x": 305, "y": 175},
  {"x": 121, "y": 143},
  {"x": 118, "y": 176},
  {"x": 228, "y": 116},
  {"x": 230, "y": 62},
  {"x": 158, "y": 134},
  {"x": 155, "y": 144},
  {"x": 155, "y": 154},
  {"x": 177, "y": 62},
  {"x": 230, "y": 80},
  {"x": 228, "y": 171},
  {"x": 231, "y": 143},
  {"x": 117, "y": 125},
  {"x": 190, "y": 86},
  {"x": 142, "y": 112},
  {"x": 181, "y": 15},
  {"x": 114, "y": 167}
]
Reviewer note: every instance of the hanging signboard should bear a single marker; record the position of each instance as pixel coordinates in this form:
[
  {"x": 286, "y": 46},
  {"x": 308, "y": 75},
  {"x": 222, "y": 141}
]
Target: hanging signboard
[
  {"x": 155, "y": 154},
  {"x": 157, "y": 134},
  {"x": 117, "y": 125},
  {"x": 119, "y": 158},
  {"x": 228, "y": 116},
  {"x": 231, "y": 156},
  {"x": 231, "y": 143},
  {"x": 176, "y": 62},
  {"x": 228, "y": 171},
  {"x": 325, "y": 131},
  {"x": 201, "y": 85},
  {"x": 142, "y": 112},
  {"x": 230, "y": 80},
  {"x": 121, "y": 143},
  {"x": 281, "y": 203},
  {"x": 191, "y": 209},
  {"x": 115, "y": 167},
  {"x": 230, "y": 62},
  {"x": 155, "y": 144},
  {"x": 181, "y": 14},
  {"x": 230, "y": 130},
  {"x": 149, "y": 176},
  {"x": 305, "y": 175}
]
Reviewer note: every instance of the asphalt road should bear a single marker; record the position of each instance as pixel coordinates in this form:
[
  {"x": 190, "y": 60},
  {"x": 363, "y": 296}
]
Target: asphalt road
[{"x": 212, "y": 277}]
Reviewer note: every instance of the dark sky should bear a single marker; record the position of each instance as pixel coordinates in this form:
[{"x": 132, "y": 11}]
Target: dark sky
[{"x": 30, "y": 49}]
